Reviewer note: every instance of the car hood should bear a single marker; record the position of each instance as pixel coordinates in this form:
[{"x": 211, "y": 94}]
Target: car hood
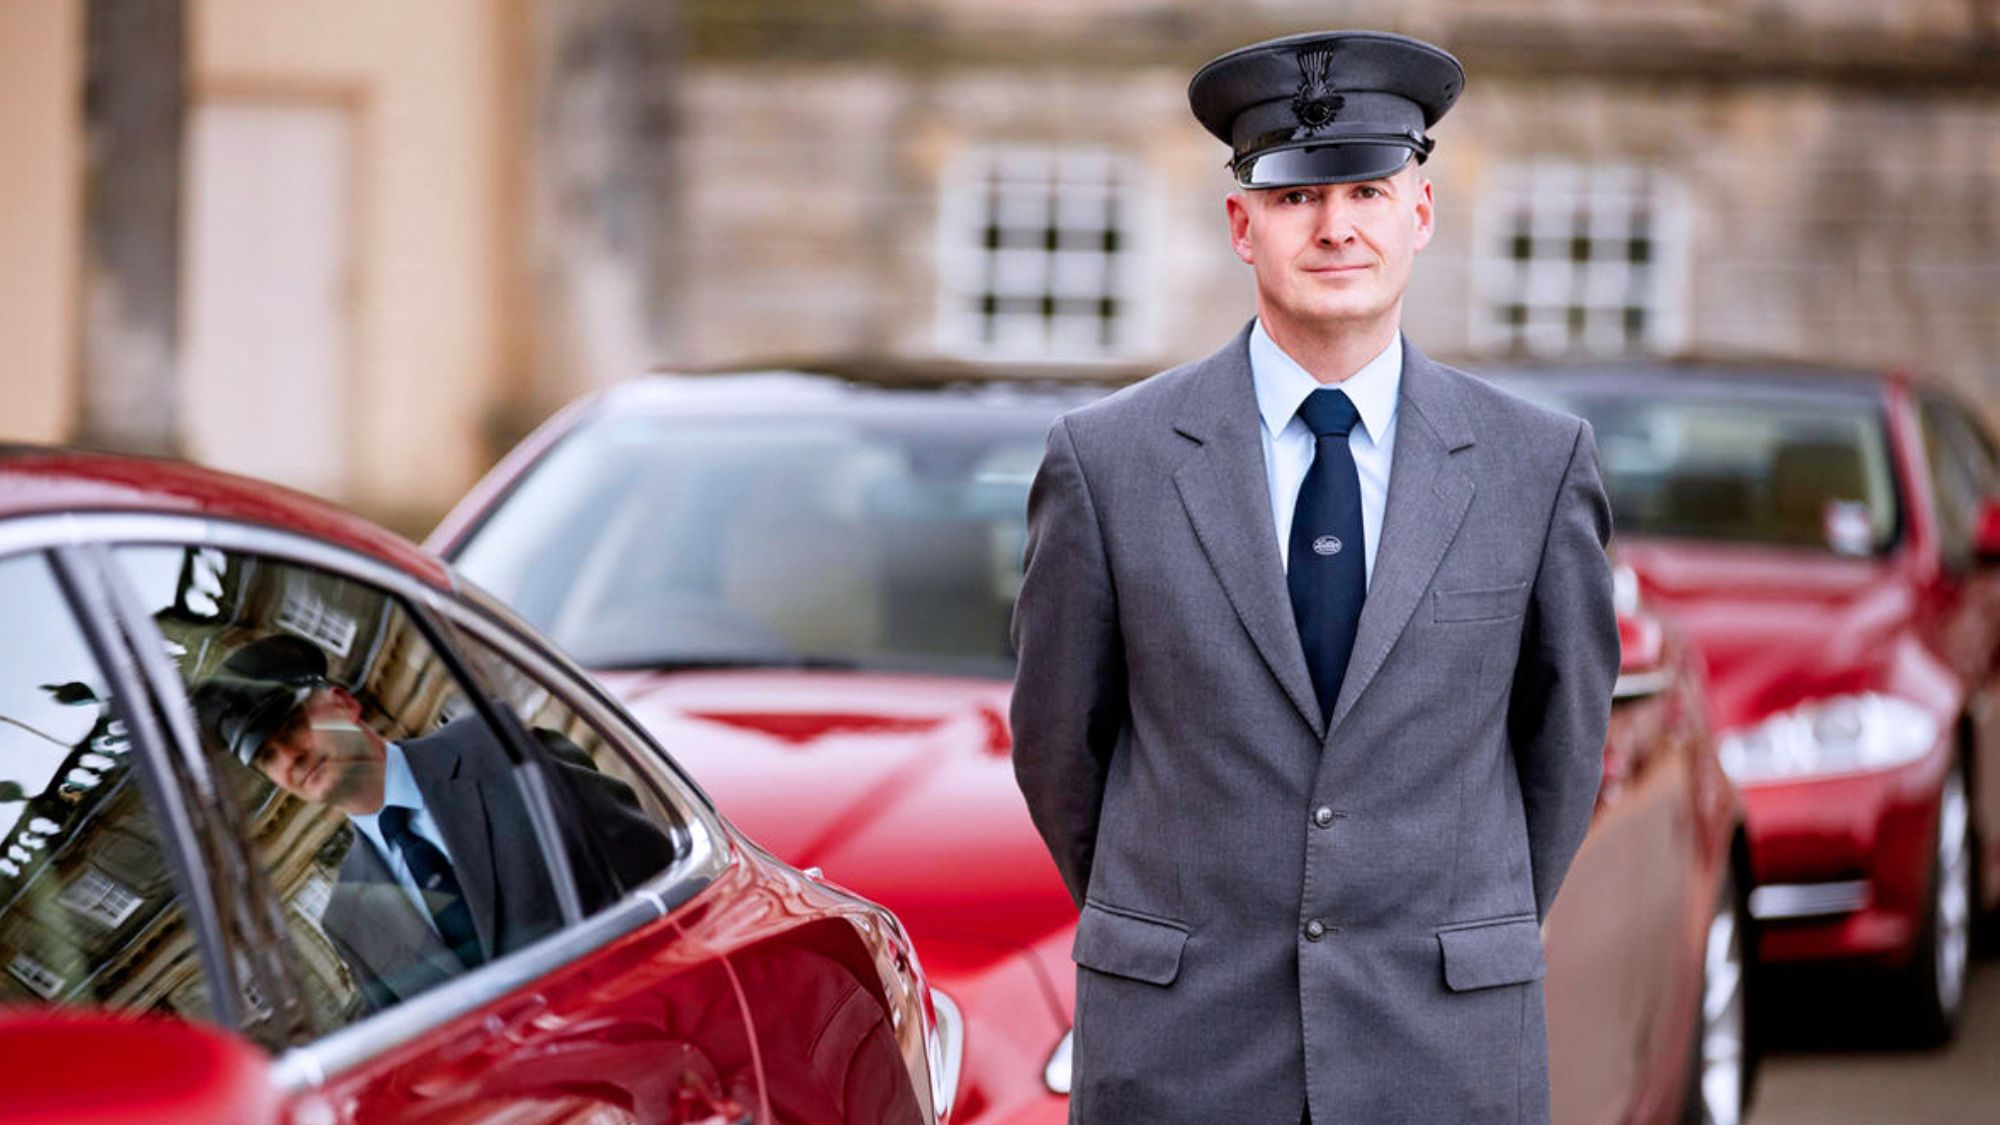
[
  {"x": 900, "y": 788},
  {"x": 1778, "y": 626}
]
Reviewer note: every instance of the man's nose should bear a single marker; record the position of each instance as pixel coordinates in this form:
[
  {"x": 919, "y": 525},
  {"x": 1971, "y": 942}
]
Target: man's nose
[{"x": 1335, "y": 222}]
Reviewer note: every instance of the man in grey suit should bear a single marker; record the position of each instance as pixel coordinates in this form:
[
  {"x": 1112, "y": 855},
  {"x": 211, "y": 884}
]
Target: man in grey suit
[
  {"x": 444, "y": 875},
  {"x": 1316, "y": 649}
]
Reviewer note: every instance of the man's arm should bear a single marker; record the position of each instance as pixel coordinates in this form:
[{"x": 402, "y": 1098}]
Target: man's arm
[
  {"x": 1069, "y": 686},
  {"x": 635, "y": 847},
  {"x": 1568, "y": 666}
]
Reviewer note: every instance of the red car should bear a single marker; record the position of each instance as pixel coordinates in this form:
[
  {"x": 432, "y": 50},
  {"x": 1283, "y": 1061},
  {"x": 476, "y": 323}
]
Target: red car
[
  {"x": 1829, "y": 539},
  {"x": 560, "y": 927},
  {"x": 802, "y": 586}
]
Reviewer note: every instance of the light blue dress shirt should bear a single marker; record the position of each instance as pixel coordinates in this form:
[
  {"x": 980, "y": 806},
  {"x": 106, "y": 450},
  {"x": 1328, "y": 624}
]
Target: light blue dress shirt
[
  {"x": 399, "y": 787},
  {"x": 1281, "y": 386}
]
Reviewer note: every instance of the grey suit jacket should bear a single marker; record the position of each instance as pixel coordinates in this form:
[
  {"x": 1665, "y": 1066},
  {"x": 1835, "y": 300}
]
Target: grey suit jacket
[
  {"x": 1173, "y": 755},
  {"x": 470, "y": 790}
]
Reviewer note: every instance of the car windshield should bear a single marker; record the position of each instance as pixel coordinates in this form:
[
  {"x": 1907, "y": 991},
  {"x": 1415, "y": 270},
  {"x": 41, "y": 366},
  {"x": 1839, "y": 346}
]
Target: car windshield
[
  {"x": 845, "y": 540},
  {"x": 1746, "y": 462}
]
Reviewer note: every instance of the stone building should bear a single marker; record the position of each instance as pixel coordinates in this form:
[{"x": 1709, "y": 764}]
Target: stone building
[
  {"x": 413, "y": 273},
  {"x": 1023, "y": 182}
]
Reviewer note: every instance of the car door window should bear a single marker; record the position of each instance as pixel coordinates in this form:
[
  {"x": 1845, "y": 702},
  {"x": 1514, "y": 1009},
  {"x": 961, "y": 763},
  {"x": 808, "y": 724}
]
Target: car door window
[
  {"x": 380, "y": 804},
  {"x": 89, "y": 912},
  {"x": 1961, "y": 470},
  {"x": 629, "y": 823}
]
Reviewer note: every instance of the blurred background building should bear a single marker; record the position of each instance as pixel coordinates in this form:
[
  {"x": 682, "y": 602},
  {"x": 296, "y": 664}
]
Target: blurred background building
[{"x": 359, "y": 246}]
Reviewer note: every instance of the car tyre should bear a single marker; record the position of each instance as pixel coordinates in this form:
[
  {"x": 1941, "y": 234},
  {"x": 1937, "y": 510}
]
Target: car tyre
[
  {"x": 1721, "y": 1064},
  {"x": 1934, "y": 982}
]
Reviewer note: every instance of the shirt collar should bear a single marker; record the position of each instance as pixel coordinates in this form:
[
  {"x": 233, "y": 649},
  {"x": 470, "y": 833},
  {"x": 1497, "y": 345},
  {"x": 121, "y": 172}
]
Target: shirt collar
[
  {"x": 399, "y": 787},
  {"x": 1282, "y": 385}
]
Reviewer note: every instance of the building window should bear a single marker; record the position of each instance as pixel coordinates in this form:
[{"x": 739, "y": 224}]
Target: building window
[
  {"x": 1580, "y": 259},
  {"x": 1037, "y": 257},
  {"x": 100, "y": 898}
]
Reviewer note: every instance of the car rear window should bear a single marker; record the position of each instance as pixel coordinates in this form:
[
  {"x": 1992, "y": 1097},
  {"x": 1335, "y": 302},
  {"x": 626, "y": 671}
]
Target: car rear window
[{"x": 1742, "y": 463}]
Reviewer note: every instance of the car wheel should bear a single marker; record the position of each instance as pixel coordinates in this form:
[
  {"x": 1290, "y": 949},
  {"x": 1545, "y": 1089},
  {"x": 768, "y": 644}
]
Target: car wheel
[
  {"x": 1719, "y": 1064},
  {"x": 1934, "y": 983}
]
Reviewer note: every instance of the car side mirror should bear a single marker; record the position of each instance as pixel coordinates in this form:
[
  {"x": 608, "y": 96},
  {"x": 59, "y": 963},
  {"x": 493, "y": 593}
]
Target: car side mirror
[
  {"x": 94, "y": 1068},
  {"x": 1986, "y": 534}
]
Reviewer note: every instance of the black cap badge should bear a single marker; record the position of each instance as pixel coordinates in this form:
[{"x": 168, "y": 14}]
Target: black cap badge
[{"x": 1315, "y": 105}]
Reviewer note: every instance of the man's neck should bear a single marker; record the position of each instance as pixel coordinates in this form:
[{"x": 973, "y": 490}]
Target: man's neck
[{"x": 1330, "y": 353}]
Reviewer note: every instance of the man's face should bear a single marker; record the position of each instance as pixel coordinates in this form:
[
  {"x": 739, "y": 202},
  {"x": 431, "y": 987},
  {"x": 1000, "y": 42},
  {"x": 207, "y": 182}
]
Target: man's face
[
  {"x": 323, "y": 755},
  {"x": 1333, "y": 255}
]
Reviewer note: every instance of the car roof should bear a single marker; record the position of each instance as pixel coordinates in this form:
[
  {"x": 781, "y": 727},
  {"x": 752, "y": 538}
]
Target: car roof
[
  {"x": 37, "y": 480},
  {"x": 1722, "y": 377},
  {"x": 777, "y": 391}
]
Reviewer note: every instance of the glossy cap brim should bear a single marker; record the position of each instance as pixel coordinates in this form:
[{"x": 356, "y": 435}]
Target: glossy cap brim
[{"x": 1322, "y": 164}]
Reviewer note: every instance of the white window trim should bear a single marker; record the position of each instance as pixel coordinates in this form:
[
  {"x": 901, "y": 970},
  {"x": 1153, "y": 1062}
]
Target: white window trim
[
  {"x": 1553, "y": 191},
  {"x": 962, "y": 258}
]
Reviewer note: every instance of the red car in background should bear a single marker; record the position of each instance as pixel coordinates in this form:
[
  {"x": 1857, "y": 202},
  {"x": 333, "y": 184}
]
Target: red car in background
[
  {"x": 802, "y": 585},
  {"x": 1829, "y": 539},
  {"x": 167, "y": 914}
]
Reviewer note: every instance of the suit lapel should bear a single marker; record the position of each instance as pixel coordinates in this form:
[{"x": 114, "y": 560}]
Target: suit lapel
[
  {"x": 372, "y": 917},
  {"x": 1428, "y": 498},
  {"x": 1225, "y": 489},
  {"x": 456, "y": 798}
]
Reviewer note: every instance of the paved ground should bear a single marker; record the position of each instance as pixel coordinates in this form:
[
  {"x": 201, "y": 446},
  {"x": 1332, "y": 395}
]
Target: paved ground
[{"x": 1830, "y": 1061}]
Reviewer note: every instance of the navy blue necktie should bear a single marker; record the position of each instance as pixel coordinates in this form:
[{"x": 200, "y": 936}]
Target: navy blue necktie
[
  {"x": 1326, "y": 571},
  {"x": 438, "y": 882}
]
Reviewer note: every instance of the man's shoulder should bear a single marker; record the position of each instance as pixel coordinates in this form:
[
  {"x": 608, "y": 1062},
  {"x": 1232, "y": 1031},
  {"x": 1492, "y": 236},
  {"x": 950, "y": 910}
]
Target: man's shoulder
[
  {"x": 1153, "y": 398},
  {"x": 1154, "y": 403},
  {"x": 1495, "y": 413}
]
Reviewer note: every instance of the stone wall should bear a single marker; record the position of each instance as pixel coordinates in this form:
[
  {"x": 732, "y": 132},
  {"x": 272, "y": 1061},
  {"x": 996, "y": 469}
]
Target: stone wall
[{"x": 1840, "y": 163}]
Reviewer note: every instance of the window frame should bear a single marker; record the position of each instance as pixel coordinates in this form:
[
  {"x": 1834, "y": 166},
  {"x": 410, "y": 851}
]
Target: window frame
[
  {"x": 965, "y": 265},
  {"x": 1548, "y": 194},
  {"x": 175, "y": 748},
  {"x": 184, "y": 833}
]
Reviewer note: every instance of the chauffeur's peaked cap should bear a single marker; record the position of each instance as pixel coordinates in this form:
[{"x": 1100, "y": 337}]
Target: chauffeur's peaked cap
[{"x": 1327, "y": 107}]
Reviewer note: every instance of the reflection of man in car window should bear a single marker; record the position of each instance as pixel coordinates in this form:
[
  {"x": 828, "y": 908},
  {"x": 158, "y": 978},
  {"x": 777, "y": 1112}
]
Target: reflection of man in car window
[{"x": 443, "y": 882}]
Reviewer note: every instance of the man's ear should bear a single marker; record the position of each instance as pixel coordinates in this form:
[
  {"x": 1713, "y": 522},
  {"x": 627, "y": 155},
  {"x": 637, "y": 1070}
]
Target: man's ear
[
  {"x": 1426, "y": 210},
  {"x": 345, "y": 700},
  {"x": 1238, "y": 205}
]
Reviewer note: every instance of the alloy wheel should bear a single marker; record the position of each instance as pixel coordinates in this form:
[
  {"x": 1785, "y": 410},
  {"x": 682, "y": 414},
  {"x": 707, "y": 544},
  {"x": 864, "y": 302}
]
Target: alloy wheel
[
  {"x": 1722, "y": 1069},
  {"x": 1954, "y": 894}
]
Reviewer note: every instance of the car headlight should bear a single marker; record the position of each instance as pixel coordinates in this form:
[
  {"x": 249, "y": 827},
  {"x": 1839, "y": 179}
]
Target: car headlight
[
  {"x": 948, "y": 1056},
  {"x": 1841, "y": 734},
  {"x": 1056, "y": 1074}
]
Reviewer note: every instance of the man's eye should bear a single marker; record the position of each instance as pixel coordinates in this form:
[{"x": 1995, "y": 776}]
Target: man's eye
[
  {"x": 1368, "y": 191},
  {"x": 1297, "y": 197}
]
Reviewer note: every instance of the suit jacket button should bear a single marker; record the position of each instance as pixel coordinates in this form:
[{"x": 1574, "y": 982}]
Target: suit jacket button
[
  {"x": 1315, "y": 930},
  {"x": 1322, "y": 816}
]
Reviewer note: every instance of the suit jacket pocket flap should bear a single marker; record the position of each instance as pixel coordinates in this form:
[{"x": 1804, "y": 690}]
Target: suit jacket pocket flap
[
  {"x": 1479, "y": 605},
  {"x": 1127, "y": 945},
  {"x": 1495, "y": 953}
]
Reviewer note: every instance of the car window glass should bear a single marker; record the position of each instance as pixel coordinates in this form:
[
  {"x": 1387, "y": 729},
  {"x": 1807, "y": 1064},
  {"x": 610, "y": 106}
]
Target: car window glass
[
  {"x": 888, "y": 542},
  {"x": 1779, "y": 469},
  {"x": 89, "y": 913},
  {"x": 381, "y": 806},
  {"x": 1976, "y": 449},
  {"x": 1958, "y": 479},
  {"x": 623, "y": 821}
]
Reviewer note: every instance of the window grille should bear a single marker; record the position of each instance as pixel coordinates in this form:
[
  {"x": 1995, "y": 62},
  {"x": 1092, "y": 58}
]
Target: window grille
[
  {"x": 1580, "y": 259},
  {"x": 1038, "y": 256},
  {"x": 37, "y": 976},
  {"x": 100, "y": 898}
]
